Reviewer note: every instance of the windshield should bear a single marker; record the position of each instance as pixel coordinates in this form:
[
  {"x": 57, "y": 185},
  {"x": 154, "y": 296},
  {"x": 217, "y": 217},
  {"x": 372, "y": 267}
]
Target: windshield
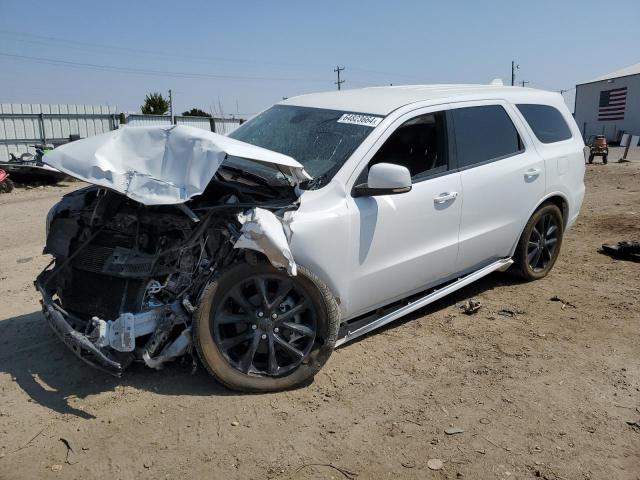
[{"x": 321, "y": 140}]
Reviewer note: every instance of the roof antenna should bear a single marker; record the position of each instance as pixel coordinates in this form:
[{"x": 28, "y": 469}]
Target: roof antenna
[{"x": 497, "y": 82}]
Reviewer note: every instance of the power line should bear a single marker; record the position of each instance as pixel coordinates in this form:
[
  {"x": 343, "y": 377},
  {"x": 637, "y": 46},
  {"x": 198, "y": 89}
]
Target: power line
[
  {"x": 139, "y": 71},
  {"x": 89, "y": 46},
  {"x": 120, "y": 50},
  {"x": 377, "y": 72},
  {"x": 338, "y": 70}
]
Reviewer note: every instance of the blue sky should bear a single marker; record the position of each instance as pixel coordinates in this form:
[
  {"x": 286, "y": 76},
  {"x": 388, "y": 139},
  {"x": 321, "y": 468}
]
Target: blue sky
[{"x": 246, "y": 55}]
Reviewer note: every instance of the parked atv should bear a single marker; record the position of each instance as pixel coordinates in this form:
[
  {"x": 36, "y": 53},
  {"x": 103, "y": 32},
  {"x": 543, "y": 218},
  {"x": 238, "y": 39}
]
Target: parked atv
[
  {"x": 598, "y": 147},
  {"x": 6, "y": 185}
]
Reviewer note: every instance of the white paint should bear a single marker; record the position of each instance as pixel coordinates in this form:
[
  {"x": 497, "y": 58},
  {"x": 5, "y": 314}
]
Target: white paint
[
  {"x": 262, "y": 231},
  {"x": 158, "y": 165},
  {"x": 372, "y": 251},
  {"x": 499, "y": 265}
]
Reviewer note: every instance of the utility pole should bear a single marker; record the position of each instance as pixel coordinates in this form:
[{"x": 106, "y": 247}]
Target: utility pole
[
  {"x": 514, "y": 67},
  {"x": 171, "y": 106},
  {"x": 338, "y": 70},
  {"x": 524, "y": 83}
]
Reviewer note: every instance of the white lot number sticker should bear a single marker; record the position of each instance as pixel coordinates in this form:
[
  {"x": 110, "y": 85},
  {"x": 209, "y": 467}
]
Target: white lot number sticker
[{"x": 356, "y": 119}]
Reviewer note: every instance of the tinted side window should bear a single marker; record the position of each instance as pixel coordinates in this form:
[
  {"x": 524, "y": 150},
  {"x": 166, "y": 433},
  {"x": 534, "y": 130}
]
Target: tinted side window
[
  {"x": 484, "y": 133},
  {"x": 420, "y": 144},
  {"x": 546, "y": 122}
]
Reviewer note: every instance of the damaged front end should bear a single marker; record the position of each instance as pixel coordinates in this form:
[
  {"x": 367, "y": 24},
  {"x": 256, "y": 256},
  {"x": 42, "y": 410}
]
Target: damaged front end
[{"x": 126, "y": 277}]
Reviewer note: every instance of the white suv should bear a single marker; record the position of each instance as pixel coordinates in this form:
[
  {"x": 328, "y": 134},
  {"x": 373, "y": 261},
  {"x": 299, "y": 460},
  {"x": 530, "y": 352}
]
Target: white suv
[{"x": 317, "y": 221}]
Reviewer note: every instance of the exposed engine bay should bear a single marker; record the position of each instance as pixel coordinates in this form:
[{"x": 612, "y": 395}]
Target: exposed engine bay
[{"x": 126, "y": 277}]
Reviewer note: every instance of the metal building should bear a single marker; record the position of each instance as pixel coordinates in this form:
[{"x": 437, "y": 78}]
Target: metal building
[{"x": 610, "y": 105}]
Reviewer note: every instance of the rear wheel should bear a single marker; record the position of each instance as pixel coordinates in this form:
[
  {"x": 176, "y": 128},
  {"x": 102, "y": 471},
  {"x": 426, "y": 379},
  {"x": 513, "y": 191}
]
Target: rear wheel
[
  {"x": 6, "y": 186},
  {"x": 258, "y": 329},
  {"x": 539, "y": 245},
  {"x": 591, "y": 158},
  {"x": 604, "y": 159}
]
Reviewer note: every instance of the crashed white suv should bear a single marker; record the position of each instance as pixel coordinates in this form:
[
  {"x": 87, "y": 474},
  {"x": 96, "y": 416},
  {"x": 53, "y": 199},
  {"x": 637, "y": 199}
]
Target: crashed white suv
[{"x": 319, "y": 220}]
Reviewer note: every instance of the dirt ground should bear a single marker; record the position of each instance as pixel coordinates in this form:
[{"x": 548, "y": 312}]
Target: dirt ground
[{"x": 545, "y": 392}]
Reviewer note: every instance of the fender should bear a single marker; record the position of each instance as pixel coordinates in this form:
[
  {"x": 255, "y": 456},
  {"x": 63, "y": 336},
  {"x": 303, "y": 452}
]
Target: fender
[{"x": 549, "y": 195}]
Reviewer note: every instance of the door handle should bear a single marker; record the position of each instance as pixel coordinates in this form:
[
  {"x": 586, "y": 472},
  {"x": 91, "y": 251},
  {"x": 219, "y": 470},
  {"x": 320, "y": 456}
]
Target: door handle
[
  {"x": 445, "y": 197},
  {"x": 532, "y": 172}
]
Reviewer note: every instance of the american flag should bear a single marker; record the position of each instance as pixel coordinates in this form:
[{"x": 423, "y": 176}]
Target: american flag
[{"x": 612, "y": 103}]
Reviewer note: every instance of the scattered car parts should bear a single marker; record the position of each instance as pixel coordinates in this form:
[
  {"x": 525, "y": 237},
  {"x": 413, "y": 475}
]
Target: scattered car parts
[{"x": 624, "y": 250}]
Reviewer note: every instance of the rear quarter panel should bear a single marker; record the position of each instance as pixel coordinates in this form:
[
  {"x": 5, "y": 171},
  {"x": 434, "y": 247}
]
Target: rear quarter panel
[{"x": 564, "y": 163}]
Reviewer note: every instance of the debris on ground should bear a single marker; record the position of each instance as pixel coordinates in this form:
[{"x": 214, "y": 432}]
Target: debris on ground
[
  {"x": 427, "y": 377},
  {"x": 69, "y": 451},
  {"x": 435, "y": 464},
  {"x": 624, "y": 250},
  {"x": 471, "y": 306},
  {"x": 453, "y": 431},
  {"x": 506, "y": 313},
  {"x": 346, "y": 473},
  {"x": 565, "y": 303},
  {"x": 635, "y": 425}
]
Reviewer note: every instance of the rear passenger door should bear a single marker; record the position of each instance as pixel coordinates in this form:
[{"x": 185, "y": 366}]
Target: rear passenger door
[{"x": 503, "y": 179}]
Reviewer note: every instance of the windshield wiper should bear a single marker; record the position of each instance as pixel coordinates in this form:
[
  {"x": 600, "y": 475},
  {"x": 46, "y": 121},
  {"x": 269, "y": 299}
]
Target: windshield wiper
[{"x": 253, "y": 176}]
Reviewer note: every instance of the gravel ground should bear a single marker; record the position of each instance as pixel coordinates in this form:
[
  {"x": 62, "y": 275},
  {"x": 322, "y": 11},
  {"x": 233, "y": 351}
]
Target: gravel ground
[{"x": 545, "y": 391}]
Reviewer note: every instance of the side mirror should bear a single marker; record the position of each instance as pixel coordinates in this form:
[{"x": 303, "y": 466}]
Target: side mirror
[{"x": 385, "y": 179}]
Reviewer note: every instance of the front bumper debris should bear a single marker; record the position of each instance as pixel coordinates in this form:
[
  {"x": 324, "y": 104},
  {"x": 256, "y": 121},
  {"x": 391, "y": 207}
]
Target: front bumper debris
[{"x": 77, "y": 341}]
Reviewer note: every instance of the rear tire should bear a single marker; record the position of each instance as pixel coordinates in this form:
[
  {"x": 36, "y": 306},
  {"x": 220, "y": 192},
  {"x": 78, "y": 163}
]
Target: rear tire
[
  {"x": 539, "y": 244},
  {"x": 591, "y": 158},
  {"x": 276, "y": 350},
  {"x": 6, "y": 186},
  {"x": 604, "y": 159}
]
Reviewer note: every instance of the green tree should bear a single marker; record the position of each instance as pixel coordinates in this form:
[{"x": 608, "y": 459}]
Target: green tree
[
  {"x": 155, "y": 104},
  {"x": 195, "y": 112}
]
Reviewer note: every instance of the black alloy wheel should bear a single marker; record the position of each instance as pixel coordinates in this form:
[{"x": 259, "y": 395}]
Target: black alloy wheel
[
  {"x": 543, "y": 242},
  {"x": 265, "y": 325},
  {"x": 539, "y": 244},
  {"x": 257, "y": 329}
]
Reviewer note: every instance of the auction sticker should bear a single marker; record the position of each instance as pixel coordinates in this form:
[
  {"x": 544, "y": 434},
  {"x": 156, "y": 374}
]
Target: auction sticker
[{"x": 357, "y": 119}]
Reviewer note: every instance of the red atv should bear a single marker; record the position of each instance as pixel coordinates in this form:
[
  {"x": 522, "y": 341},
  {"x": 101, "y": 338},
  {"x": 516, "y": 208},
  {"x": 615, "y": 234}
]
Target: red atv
[{"x": 6, "y": 185}]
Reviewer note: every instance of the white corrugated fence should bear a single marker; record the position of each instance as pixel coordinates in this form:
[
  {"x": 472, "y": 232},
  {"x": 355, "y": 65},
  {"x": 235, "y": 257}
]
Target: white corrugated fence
[{"x": 24, "y": 125}]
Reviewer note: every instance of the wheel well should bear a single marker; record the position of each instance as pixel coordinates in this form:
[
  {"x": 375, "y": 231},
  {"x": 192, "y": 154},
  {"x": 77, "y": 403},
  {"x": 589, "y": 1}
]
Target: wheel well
[{"x": 561, "y": 203}]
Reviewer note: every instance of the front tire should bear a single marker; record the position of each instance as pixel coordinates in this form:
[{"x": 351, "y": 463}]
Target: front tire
[
  {"x": 258, "y": 329},
  {"x": 539, "y": 245},
  {"x": 605, "y": 159}
]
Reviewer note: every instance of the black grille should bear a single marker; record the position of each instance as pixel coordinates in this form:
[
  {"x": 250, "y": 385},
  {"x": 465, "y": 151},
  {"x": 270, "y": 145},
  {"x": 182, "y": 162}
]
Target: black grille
[
  {"x": 89, "y": 294},
  {"x": 93, "y": 258}
]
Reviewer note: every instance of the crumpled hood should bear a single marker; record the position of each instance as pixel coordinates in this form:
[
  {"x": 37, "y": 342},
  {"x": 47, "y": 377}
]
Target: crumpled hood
[{"x": 159, "y": 165}]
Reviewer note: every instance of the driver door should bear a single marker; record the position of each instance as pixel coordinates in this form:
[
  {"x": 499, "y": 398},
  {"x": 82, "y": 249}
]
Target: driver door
[{"x": 407, "y": 242}]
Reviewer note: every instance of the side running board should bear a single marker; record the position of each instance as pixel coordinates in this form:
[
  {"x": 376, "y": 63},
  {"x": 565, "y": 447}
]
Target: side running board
[{"x": 361, "y": 327}]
